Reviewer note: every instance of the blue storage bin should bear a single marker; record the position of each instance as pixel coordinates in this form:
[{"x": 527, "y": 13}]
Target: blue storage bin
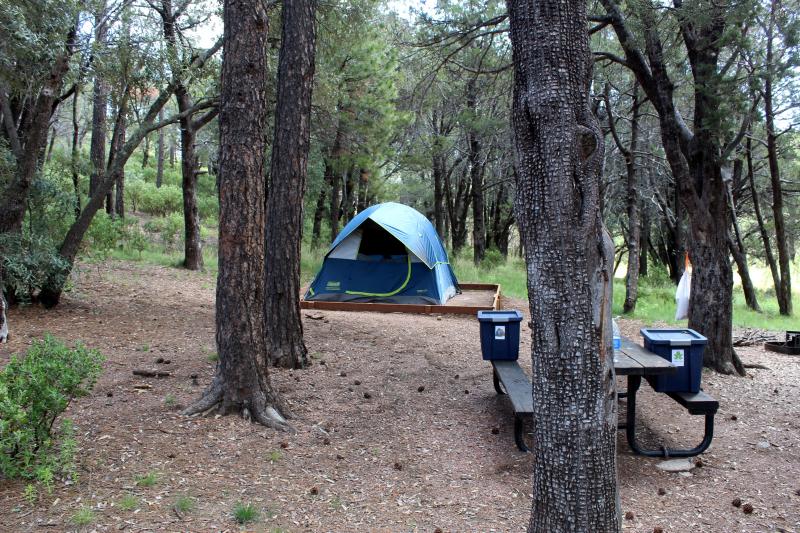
[
  {"x": 500, "y": 334},
  {"x": 684, "y": 349}
]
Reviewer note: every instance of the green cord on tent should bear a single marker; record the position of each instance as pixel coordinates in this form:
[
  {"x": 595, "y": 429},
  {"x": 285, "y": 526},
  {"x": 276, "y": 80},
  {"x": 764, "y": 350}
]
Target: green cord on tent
[{"x": 385, "y": 294}]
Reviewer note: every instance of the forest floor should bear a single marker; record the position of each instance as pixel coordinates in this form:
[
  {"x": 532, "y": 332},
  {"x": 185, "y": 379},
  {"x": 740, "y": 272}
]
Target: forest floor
[{"x": 398, "y": 428}]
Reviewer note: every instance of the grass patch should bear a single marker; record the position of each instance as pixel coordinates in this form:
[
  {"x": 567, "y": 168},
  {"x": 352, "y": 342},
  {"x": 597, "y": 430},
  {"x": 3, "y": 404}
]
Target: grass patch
[
  {"x": 169, "y": 400},
  {"x": 245, "y": 513},
  {"x": 147, "y": 480},
  {"x": 212, "y": 357},
  {"x": 82, "y": 517},
  {"x": 274, "y": 456},
  {"x": 129, "y": 502},
  {"x": 184, "y": 504}
]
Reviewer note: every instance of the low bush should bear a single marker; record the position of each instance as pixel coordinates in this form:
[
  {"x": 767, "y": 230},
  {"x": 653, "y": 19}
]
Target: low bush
[
  {"x": 34, "y": 391},
  {"x": 28, "y": 262}
]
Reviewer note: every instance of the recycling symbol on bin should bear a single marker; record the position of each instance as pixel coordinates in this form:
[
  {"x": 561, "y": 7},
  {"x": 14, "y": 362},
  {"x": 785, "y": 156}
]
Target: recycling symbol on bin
[{"x": 500, "y": 333}]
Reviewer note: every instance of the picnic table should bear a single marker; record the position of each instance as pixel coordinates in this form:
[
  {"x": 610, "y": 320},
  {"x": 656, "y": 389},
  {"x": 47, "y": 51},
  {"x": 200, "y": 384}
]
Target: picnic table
[{"x": 631, "y": 361}]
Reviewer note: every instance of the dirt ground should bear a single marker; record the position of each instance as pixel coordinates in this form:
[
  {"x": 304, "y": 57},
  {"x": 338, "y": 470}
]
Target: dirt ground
[{"x": 394, "y": 423}]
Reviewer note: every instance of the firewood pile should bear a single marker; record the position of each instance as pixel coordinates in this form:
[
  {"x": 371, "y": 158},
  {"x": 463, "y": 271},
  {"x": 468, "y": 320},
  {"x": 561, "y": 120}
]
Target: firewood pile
[{"x": 754, "y": 337}]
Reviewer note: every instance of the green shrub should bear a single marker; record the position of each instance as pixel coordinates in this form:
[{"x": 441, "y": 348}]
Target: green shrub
[
  {"x": 34, "y": 391},
  {"x": 172, "y": 230},
  {"x": 137, "y": 240},
  {"x": 492, "y": 259},
  {"x": 208, "y": 207},
  {"x": 245, "y": 513},
  {"x": 161, "y": 201},
  {"x": 28, "y": 262},
  {"x": 134, "y": 192},
  {"x": 155, "y": 226},
  {"x": 104, "y": 234}
]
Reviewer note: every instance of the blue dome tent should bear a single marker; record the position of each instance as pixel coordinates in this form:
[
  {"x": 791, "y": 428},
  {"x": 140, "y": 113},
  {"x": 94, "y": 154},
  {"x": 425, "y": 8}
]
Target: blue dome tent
[{"x": 388, "y": 253}]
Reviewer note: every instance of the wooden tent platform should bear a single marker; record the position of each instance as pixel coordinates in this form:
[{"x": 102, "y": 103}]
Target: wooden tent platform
[{"x": 474, "y": 297}]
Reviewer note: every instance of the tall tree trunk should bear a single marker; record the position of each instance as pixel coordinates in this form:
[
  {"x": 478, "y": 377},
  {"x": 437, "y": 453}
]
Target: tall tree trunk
[
  {"x": 332, "y": 177},
  {"x": 117, "y": 143},
  {"x": 476, "y": 179},
  {"x": 119, "y": 201},
  {"x": 146, "y": 151},
  {"x": 52, "y": 142},
  {"x": 634, "y": 225},
  {"x": 97, "y": 150},
  {"x": 160, "y": 153},
  {"x": 172, "y": 152},
  {"x": 769, "y": 256},
  {"x": 737, "y": 248},
  {"x": 319, "y": 214},
  {"x": 75, "y": 155},
  {"x": 288, "y": 168},
  {"x": 559, "y": 152},
  {"x": 644, "y": 242},
  {"x": 193, "y": 254},
  {"x": 437, "y": 167},
  {"x": 783, "y": 289},
  {"x": 363, "y": 189},
  {"x": 241, "y": 382},
  {"x": 27, "y": 139},
  {"x": 694, "y": 157}
]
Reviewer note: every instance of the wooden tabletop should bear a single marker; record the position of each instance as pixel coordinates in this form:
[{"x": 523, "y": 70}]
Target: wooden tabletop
[{"x": 633, "y": 360}]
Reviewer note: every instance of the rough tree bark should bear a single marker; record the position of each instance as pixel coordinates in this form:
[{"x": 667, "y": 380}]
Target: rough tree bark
[
  {"x": 783, "y": 289},
  {"x": 75, "y": 155},
  {"x": 632, "y": 186},
  {"x": 241, "y": 382},
  {"x": 769, "y": 256},
  {"x": 319, "y": 214},
  {"x": 476, "y": 178},
  {"x": 160, "y": 153},
  {"x": 287, "y": 178},
  {"x": 117, "y": 143},
  {"x": 559, "y": 153},
  {"x": 695, "y": 157},
  {"x": 193, "y": 253},
  {"x": 736, "y": 244},
  {"x": 27, "y": 138},
  {"x": 438, "y": 164},
  {"x": 363, "y": 189},
  {"x": 97, "y": 147}
]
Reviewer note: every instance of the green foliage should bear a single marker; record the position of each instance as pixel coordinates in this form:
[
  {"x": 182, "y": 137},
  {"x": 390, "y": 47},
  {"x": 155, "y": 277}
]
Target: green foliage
[
  {"x": 184, "y": 504},
  {"x": 129, "y": 502},
  {"x": 171, "y": 231},
  {"x": 244, "y": 513},
  {"x": 492, "y": 259},
  {"x": 82, "y": 517},
  {"x": 34, "y": 391},
  {"x": 104, "y": 235},
  {"x": 147, "y": 480},
  {"x": 169, "y": 400},
  {"x": 28, "y": 261},
  {"x": 274, "y": 456},
  {"x": 147, "y": 198}
]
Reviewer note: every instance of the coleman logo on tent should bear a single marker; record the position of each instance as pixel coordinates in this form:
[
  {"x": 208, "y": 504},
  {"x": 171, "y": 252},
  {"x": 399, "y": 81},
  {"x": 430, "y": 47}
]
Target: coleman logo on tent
[
  {"x": 333, "y": 285},
  {"x": 500, "y": 333}
]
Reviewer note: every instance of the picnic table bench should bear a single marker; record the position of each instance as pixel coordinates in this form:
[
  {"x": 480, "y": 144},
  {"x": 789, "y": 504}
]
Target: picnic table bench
[{"x": 631, "y": 361}]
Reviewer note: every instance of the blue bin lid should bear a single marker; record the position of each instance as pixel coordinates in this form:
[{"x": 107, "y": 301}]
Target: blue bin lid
[
  {"x": 673, "y": 337},
  {"x": 507, "y": 315}
]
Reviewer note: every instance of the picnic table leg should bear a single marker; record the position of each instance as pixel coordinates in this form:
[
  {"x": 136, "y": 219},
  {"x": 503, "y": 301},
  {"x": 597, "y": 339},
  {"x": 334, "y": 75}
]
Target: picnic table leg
[
  {"x": 630, "y": 429},
  {"x": 496, "y": 381},
  {"x": 519, "y": 425}
]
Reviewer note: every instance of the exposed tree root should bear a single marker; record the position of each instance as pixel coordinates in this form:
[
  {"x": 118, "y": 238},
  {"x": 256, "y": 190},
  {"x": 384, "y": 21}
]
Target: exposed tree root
[{"x": 257, "y": 409}]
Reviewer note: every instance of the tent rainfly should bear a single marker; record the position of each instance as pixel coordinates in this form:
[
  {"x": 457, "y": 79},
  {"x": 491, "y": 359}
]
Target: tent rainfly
[{"x": 388, "y": 253}]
